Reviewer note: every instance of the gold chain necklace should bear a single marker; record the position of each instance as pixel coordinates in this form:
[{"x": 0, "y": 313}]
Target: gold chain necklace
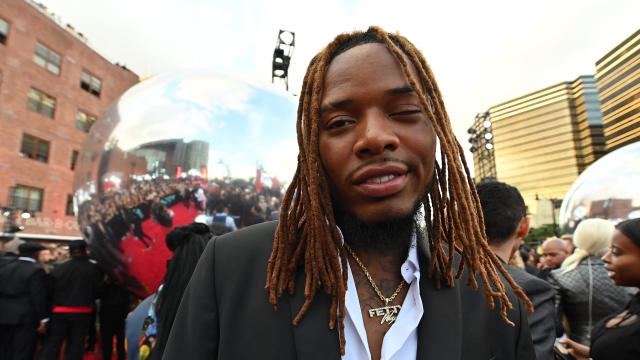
[{"x": 388, "y": 313}]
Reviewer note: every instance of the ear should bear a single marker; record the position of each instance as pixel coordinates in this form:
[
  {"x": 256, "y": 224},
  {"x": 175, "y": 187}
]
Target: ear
[{"x": 523, "y": 227}]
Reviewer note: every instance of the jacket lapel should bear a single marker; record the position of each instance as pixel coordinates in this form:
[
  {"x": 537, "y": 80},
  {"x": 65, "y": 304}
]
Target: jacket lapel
[
  {"x": 440, "y": 329},
  {"x": 312, "y": 337}
]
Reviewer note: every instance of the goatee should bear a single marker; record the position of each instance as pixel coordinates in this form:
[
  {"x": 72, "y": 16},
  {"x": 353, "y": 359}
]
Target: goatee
[{"x": 392, "y": 236}]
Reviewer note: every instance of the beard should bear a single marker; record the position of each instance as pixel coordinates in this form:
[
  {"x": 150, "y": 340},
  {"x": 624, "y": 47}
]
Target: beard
[{"x": 382, "y": 237}]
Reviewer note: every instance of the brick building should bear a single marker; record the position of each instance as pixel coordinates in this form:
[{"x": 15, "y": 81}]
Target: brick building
[{"x": 53, "y": 86}]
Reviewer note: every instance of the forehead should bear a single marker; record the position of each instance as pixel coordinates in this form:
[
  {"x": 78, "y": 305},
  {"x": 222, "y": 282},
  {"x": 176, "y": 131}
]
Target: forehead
[
  {"x": 551, "y": 247},
  {"x": 365, "y": 65},
  {"x": 621, "y": 240}
]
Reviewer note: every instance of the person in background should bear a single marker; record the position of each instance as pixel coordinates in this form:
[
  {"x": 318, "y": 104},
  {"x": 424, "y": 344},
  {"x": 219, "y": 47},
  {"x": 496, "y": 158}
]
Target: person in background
[
  {"x": 114, "y": 306},
  {"x": 187, "y": 243},
  {"x": 506, "y": 223},
  {"x": 554, "y": 251},
  {"x": 222, "y": 216},
  {"x": 568, "y": 242},
  {"x": 584, "y": 292},
  {"x": 617, "y": 336},
  {"x": 525, "y": 254},
  {"x": 23, "y": 303},
  {"x": 77, "y": 283},
  {"x": 255, "y": 217}
]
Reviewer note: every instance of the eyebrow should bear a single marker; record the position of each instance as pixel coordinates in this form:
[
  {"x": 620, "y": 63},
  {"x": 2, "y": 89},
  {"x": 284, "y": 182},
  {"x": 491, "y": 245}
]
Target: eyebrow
[
  {"x": 346, "y": 102},
  {"x": 336, "y": 105},
  {"x": 399, "y": 91}
]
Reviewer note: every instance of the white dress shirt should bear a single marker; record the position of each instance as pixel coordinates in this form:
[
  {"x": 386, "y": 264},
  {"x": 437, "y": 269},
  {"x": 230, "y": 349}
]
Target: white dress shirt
[{"x": 401, "y": 341}]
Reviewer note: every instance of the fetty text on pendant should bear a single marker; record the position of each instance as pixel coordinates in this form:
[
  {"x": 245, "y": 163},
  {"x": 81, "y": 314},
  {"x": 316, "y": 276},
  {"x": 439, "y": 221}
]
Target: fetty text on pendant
[{"x": 388, "y": 313}]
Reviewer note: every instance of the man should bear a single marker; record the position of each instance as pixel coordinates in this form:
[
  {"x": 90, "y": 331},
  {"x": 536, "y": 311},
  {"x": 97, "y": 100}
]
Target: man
[
  {"x": 506, "y": 224},
  {"x": 222, "y": 216},
  {"x": 23, "y": 303},
  {"x": 568, "y": 242},
  {"x": 77, "y": 283},
  {"x": 114, "y": 307},
  {"x": 254, "y": 217},
  {"x": 347, "y": 271},
  {"x": 554, "y": 251}
]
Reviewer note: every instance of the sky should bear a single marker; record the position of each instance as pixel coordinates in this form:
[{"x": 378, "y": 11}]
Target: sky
[{"x": 481, "y": 52}]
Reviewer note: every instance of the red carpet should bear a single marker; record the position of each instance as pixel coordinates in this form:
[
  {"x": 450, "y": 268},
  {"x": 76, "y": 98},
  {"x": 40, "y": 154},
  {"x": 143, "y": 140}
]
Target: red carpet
[{"x": 149, "y": 265}]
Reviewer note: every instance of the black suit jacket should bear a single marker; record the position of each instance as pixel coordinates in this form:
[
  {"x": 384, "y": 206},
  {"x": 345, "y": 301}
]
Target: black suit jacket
[
  {"x": 23, "y": 292},
  {"x": 76, "y": 282},
  {"x": 225, "y": 313},
  {"x": 542, "y": 320}
]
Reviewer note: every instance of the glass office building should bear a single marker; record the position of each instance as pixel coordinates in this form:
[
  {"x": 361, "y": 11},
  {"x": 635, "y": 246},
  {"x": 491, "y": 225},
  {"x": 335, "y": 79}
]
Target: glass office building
[
  {"x": 544, "y": 140},
  {"x": 618, "y": 76}
]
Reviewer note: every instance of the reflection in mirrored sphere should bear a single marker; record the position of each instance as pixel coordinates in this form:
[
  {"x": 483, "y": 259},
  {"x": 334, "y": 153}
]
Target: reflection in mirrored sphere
[
  {"x": 173, "y": 149},
  {"x": 608, "y": 189}
]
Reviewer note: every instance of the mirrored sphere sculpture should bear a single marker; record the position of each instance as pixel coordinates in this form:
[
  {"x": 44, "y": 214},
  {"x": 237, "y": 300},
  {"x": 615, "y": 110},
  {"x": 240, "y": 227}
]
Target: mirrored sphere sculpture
[
  {"x": 607, "y": 189},
  {"x": 174, "y": 148}
]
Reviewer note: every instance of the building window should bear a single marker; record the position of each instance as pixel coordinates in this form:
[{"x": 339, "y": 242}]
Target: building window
[
  {"x": 27, "y": 198},
  {"x": 47, "y": 59},
  {"x": 4, "y": 31},
  {"x": 90, "y": 83},
  {"x": 69, "y": 207},
  {"x": 35, "y": 148},
  {"x": 41, "y": 102},
  {"x": 74, "y": 159},
  {"x": 84, "y": 121}
]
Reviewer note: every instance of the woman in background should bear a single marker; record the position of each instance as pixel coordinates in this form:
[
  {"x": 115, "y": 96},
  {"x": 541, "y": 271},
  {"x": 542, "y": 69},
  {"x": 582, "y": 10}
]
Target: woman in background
[
  {"x": 618, "y": 335},
  {"x": 584, "y": 292}
]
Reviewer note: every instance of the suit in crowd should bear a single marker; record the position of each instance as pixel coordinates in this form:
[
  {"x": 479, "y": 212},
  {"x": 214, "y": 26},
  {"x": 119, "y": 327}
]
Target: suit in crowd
[
  {"x": 114, "y": 306},
  {"x": 23, "y": 304},
  {"x": 225, "y": 313},
  {"x": 77, "y": 283},
  {"x": 542, "y": 320}
]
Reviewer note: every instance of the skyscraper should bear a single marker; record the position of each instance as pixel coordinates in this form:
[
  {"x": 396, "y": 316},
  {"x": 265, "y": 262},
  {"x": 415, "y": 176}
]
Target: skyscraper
[
  {"x": 618, "y": 76},
  {"x": 544, "y": 140}
]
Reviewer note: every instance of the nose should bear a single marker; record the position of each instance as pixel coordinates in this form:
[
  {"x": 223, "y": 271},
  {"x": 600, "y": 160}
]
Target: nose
[
  {"x": 607, "y": 257},
  {"x": 376, "y": 135}
]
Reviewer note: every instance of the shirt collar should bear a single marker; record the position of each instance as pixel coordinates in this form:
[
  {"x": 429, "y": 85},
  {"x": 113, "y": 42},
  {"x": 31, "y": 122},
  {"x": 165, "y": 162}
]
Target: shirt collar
[{"x": 26, "y": 258}]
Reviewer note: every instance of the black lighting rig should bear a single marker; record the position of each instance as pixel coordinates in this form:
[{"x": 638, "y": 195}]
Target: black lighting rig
[
  {"x": 481, "y": 141},
  {"x": 282, "y": 56}
]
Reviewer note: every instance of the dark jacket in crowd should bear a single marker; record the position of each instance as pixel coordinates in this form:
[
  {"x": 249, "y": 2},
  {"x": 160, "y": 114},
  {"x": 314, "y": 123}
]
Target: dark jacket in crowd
[
  {"x": 572, "y": 297},
  {"x": 542, "y": 320},
  {"x": 23, "y": 303},
  {"x": 77, "y": 282}
]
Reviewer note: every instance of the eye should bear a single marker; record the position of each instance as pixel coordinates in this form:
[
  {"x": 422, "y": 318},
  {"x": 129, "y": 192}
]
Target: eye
[
  {"x": 338, "y": 122},
  {"x": 406, "y": 114}
]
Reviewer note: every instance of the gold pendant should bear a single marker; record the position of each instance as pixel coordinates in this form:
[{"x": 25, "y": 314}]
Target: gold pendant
[{"x": 388, "y": 313}]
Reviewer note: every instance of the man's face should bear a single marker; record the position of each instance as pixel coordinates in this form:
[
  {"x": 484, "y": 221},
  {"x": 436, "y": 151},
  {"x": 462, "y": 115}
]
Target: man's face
[
  {"x": 376, "y": 143},
  {"x": 553, "y": 254},
  {"x": 45, "y": 256}
]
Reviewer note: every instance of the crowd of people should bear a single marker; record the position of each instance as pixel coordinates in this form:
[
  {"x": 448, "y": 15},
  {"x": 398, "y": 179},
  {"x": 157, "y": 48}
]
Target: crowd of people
[
  {"x": 55, "y": 295},
  {"x": 572, "y": 284}
]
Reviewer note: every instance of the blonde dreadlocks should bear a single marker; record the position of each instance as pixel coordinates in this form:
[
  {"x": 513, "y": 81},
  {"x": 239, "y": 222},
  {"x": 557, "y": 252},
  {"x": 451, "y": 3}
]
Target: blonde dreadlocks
[{"x": 307, "y": 235}]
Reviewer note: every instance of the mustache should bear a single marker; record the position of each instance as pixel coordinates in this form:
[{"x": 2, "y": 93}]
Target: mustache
[{"x": 376, "y": 161}]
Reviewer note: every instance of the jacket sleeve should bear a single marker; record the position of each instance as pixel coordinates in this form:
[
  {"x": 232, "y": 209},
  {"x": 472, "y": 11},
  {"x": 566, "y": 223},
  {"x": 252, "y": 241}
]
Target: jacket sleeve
[
  {"x": 524, "y": 345},
  {"x": 542, "y": 320},
  {"x": 38, "y": 292},
  {"x": 195, "y": 330},
  {"x": 557, "y": 303}
]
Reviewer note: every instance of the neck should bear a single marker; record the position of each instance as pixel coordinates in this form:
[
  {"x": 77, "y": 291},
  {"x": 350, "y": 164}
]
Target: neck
[{"x": 503, "y": 251}]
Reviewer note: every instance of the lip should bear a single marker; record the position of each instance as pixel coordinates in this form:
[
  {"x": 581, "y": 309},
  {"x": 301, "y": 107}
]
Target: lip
[
  {"x": 378, "y": 170},
  {"x": 387, "y": 188}
]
